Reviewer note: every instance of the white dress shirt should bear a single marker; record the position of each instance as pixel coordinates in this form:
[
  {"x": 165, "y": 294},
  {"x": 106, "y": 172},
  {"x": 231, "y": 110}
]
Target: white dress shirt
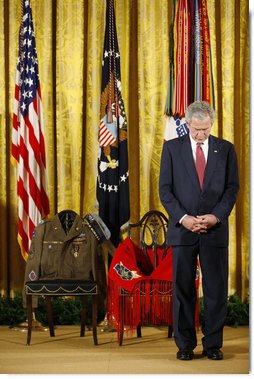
[{"x": 204, "y": 146}]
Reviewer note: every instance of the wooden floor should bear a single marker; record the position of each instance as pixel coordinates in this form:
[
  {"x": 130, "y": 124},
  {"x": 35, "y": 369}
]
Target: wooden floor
[{"x": 154, "y": 353}]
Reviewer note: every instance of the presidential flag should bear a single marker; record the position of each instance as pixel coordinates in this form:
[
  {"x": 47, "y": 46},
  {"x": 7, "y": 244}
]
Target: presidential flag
[
  {"x": 113, "y": 173},
  {"x": 28, "y": 146},
  {"x": 190, "y": 76}
]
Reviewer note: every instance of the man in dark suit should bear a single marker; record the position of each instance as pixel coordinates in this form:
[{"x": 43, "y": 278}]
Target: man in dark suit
[{"x": 198, "y": 188}]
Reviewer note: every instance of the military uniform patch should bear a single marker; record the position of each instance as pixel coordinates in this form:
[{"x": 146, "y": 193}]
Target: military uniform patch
[
  {"x": 32, "y": 275},
  {"x": 80, "y": 238},
  {"x": 81, "y": 235},
  {"x": 125, "y": 273}
]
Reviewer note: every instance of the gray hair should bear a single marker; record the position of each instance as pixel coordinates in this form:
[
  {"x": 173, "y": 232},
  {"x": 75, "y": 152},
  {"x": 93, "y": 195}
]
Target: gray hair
[{"x": 200, "y": 110}]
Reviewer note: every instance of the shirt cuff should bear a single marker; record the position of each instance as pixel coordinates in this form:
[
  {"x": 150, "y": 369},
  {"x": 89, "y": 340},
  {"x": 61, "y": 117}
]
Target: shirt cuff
[{"x": 181, "y": 219}]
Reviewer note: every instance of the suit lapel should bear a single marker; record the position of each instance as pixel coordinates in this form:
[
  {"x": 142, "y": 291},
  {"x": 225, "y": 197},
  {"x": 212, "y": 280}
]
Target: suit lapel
[
  {"x": 213, "y": 153},
  {"x": 187, "y": 157}
]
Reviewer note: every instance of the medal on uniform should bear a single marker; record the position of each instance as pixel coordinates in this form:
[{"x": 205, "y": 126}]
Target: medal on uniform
[{"x": 75, "y": 251}]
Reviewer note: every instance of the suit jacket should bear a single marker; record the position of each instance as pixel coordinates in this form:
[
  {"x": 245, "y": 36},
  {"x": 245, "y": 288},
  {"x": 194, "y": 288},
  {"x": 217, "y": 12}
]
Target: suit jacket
[{"x": 180, "y": 193}]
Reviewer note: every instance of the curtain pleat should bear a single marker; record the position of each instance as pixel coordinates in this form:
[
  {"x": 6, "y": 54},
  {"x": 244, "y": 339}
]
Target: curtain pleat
[{"x": 69, "y": 38}]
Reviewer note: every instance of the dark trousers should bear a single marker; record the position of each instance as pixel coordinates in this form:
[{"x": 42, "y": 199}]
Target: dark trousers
[{"x": 214, "y": 268}]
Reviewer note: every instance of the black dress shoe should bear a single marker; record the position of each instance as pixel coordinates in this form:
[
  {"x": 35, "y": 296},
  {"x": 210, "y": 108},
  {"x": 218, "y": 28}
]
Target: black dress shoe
[
  {"x": 185, "y": 354},
  {"x": 214, "y": 354}
]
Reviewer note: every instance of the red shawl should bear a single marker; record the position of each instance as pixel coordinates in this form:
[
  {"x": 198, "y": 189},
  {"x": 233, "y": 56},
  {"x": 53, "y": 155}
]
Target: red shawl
[{"x": 147, "y": 292}]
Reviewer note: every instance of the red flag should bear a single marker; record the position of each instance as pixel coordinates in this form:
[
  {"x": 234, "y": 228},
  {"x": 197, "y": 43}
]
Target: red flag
[{"x": 28, "y": 146}]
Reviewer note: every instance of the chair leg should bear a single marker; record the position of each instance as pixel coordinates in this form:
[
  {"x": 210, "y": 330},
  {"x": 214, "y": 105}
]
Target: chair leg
[
  {"x": 170, "y": 326},
  {"x": 83, "y": 316},
  {"x": 50, "y": 316},
  {"x": 139, "y": 334},
  {"x": 29, "y": 318},
  {"x": 170, "y": 331},
  {"x": 121, "y": 320},
  {"x": 95, "y": 309}
]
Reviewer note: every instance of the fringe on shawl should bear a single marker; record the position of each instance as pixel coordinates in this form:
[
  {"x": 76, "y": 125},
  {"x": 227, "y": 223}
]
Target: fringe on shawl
[{"x": 149, "y": 303}]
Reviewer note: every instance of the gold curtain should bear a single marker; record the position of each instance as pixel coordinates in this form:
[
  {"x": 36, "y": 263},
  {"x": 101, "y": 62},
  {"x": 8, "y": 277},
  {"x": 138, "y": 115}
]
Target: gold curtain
[{"x": 69, "y": 38}]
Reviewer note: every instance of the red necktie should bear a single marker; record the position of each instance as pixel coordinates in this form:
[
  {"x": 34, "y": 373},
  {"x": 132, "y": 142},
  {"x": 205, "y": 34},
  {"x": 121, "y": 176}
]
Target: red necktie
[{"x": 200, "y": 164}]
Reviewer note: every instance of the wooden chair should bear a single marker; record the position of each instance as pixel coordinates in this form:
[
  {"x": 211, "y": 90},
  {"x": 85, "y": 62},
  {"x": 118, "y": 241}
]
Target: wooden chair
[
  {"x": 130, "y": 309},
  {"x": 151, "y": 230},
  {"x": 69, "y": 286},
  {"x": 58, "y": 287}
]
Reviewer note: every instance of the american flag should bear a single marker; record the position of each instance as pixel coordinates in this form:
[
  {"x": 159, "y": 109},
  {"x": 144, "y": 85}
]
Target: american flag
[
  {"x": 28, "y": 146},
  {"x": 105, "y": 137},
  {"x": 113, "y": 173}
]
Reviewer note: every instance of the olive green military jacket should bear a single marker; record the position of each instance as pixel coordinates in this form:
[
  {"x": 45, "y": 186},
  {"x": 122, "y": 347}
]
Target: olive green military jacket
[{"x": 55, "y": 254}]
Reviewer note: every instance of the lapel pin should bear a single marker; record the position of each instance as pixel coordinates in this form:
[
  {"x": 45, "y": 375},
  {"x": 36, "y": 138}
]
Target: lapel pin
[{"x": 216, "y": 151}]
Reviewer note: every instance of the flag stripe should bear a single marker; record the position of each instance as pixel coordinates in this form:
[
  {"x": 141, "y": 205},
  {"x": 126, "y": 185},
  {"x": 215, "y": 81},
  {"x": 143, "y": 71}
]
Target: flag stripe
[{"x": 105, "y": 137}]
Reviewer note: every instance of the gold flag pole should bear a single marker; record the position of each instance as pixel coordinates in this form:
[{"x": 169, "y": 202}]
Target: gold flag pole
[{"x": 108, "y": 248}]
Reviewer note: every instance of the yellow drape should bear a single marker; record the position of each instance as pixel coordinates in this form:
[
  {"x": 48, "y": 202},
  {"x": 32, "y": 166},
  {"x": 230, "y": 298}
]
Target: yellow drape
[{"x": 69, "y": 37}]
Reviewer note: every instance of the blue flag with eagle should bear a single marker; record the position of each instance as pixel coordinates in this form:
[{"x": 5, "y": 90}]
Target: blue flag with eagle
[{"x": 113, "y": 173}]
